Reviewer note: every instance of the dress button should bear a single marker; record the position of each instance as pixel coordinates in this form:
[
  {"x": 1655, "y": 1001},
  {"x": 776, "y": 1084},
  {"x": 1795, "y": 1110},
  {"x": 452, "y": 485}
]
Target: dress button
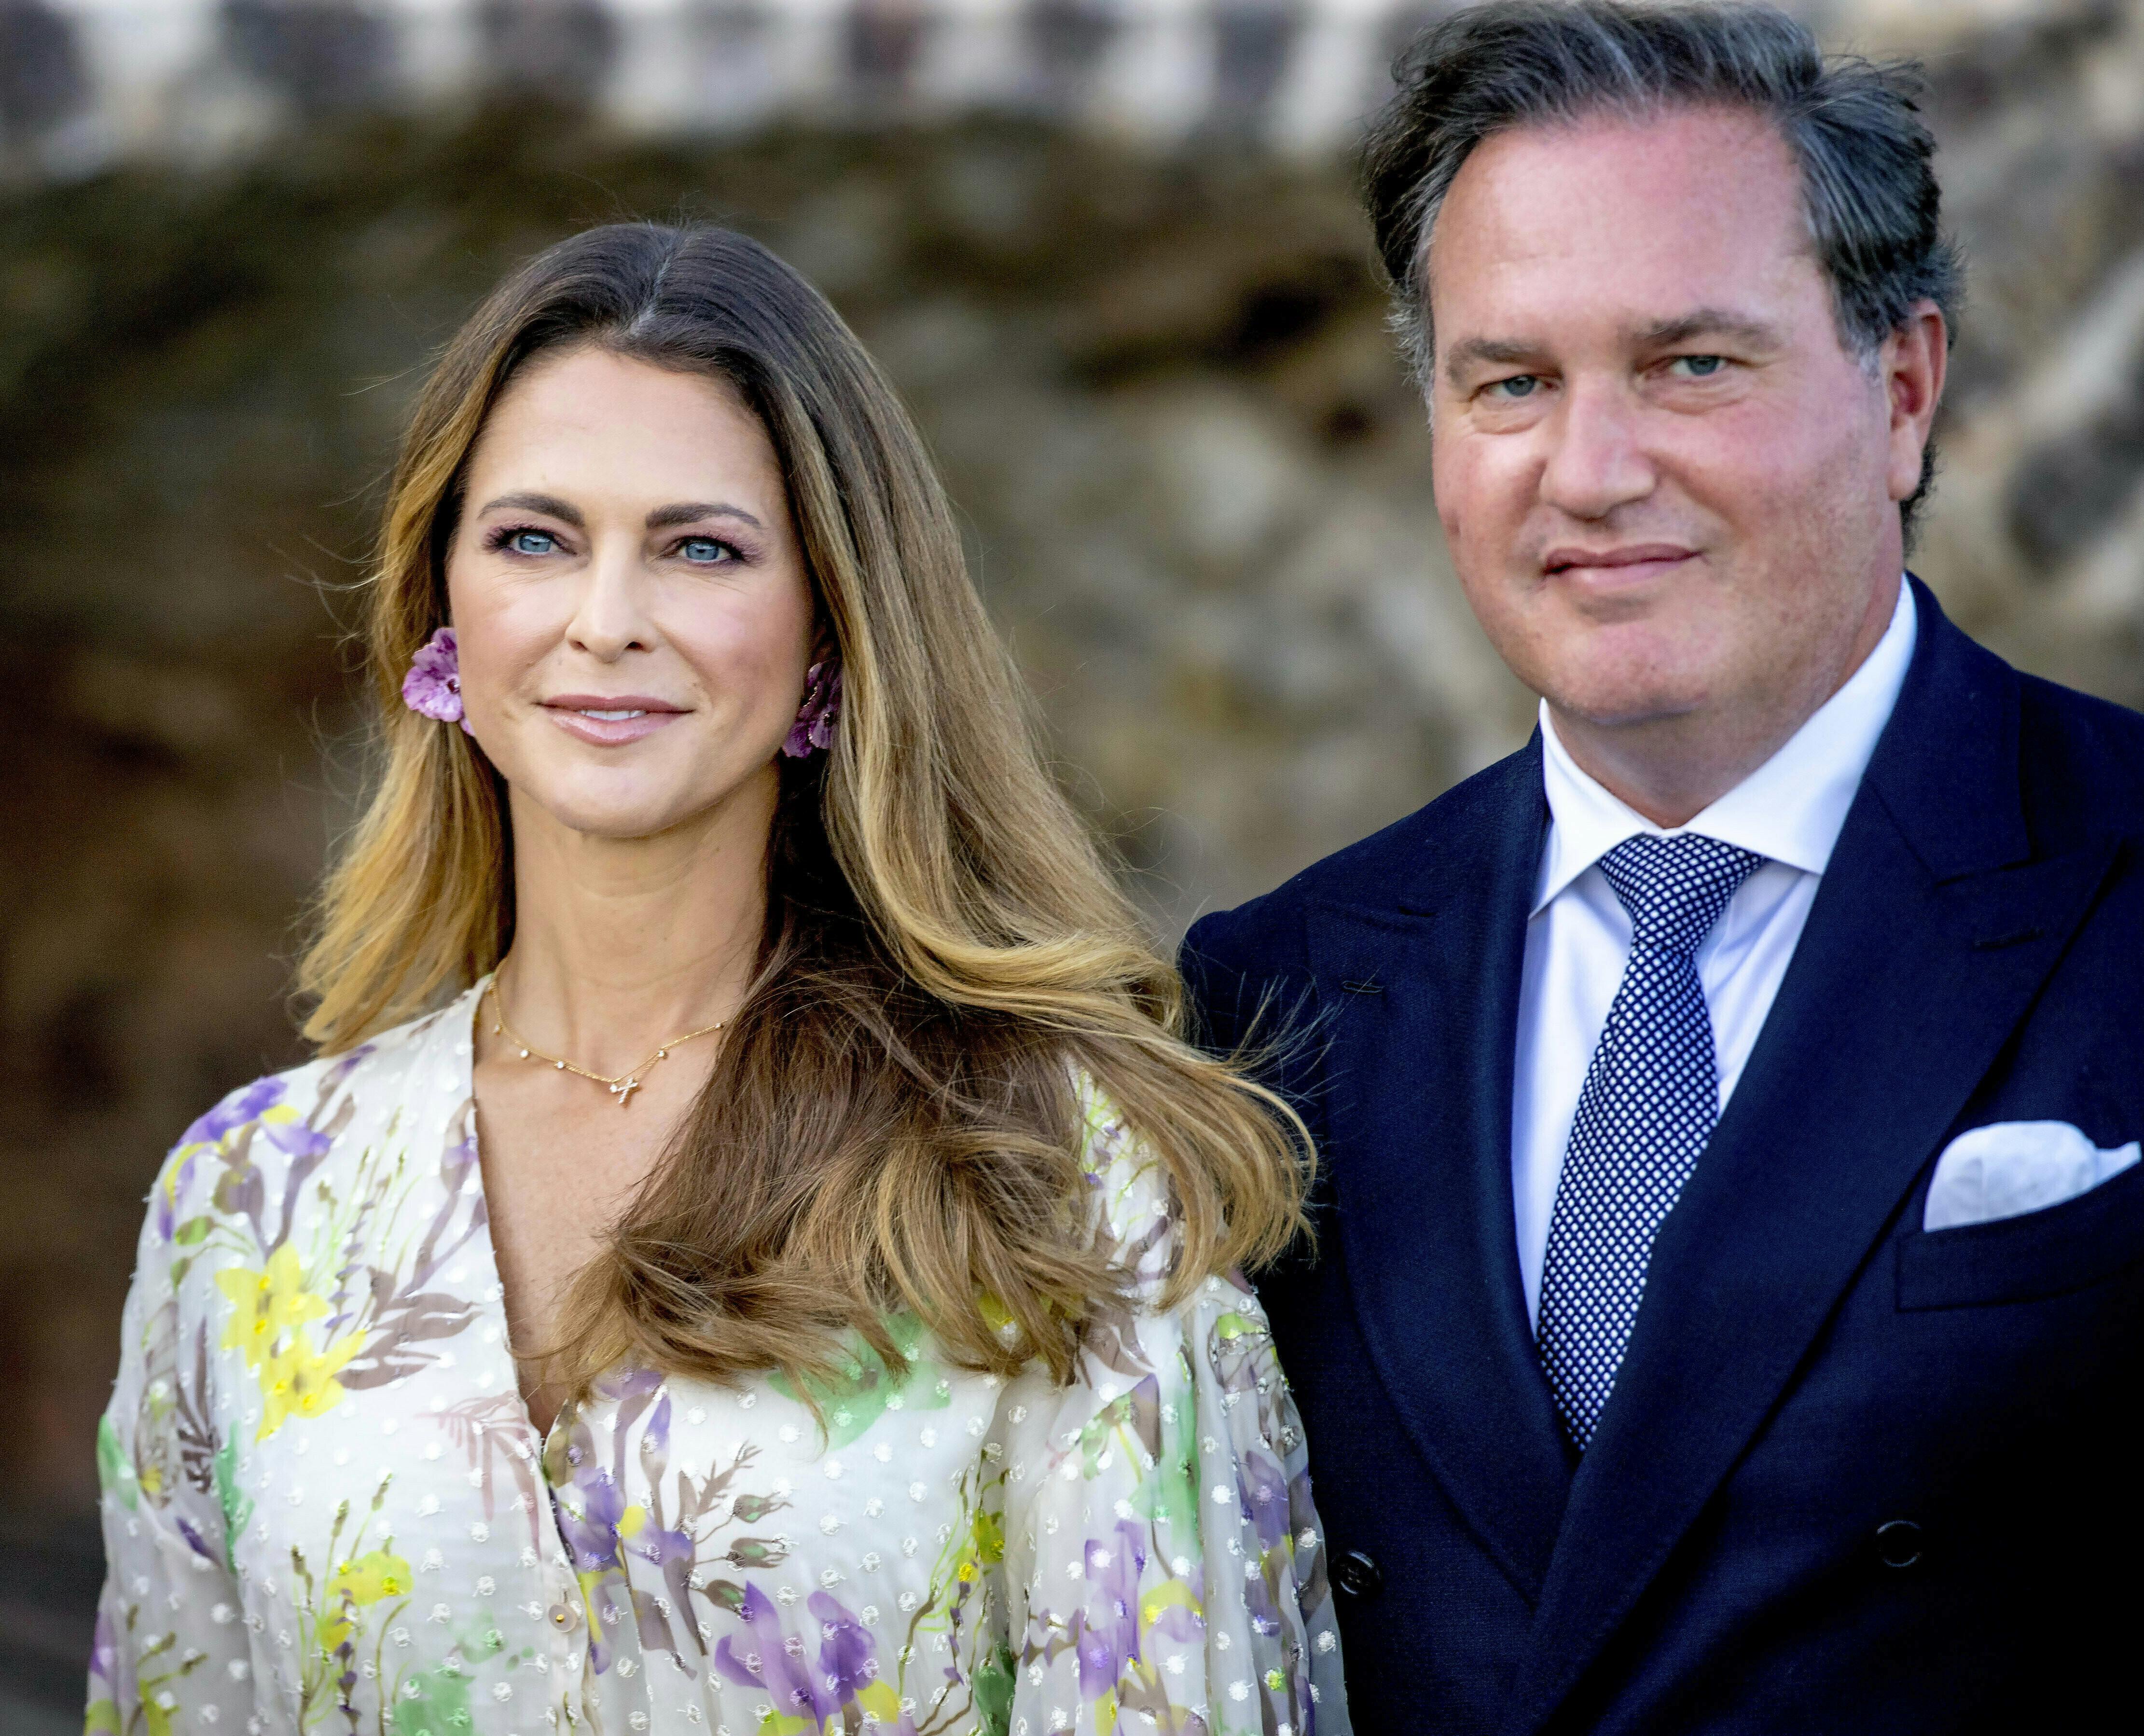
[
  {"x": 1357, "y": 1574},
  {"x": 565, "y": 1618},
  {"x": 1898, "y": 1542}
]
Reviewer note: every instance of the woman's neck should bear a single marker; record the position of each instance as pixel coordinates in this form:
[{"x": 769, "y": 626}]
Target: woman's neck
[{"x": 620, "y": 944}]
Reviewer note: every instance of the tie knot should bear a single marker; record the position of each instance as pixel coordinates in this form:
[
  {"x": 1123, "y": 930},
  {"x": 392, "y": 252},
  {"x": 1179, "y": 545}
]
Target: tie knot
[{"x": 1675, "y": 888}]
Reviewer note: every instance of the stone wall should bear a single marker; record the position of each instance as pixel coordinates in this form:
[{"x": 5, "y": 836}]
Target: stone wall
[{"x": 1195, "y": 485}]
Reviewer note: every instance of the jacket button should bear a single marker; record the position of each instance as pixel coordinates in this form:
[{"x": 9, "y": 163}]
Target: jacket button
[
  {"x": 1898, "y": 1542},
  {"x": 1358, "y": 1576},
  {"x": 565, "y": 1617}
]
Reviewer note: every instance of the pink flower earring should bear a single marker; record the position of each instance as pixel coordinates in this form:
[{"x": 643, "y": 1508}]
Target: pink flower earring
[
  {"x": 433, "y": 688},
  {"x": 821, "y": 709}
]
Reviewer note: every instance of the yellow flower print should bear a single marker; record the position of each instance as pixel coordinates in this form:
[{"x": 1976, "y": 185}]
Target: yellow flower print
[
  {"x": 297, "y": 1382},
  {"x": 984, "y": 1547},
  {"x": 359, "y": 1583},
  {"x": 990, "y": 1536},
  {"x": 368, "y": 1578},
  {"x": 264, "y": 1304}
]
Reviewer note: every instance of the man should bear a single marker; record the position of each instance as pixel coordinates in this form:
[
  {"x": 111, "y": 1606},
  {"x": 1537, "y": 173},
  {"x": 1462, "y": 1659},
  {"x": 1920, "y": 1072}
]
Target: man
[{"x": 1731, "y": 1237}]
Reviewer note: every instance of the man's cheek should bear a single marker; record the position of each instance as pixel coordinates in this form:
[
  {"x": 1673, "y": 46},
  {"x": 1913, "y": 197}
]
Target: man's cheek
[{"x": 1466, "y": 505}]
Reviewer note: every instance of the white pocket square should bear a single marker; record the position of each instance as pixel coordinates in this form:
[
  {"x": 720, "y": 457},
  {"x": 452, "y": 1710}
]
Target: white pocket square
[{"x": 2016, "y": 1167}]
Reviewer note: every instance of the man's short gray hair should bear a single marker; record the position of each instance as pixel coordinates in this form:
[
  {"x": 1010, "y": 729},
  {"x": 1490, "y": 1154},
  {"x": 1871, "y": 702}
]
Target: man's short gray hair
[{"x": 1854, "y": 125}]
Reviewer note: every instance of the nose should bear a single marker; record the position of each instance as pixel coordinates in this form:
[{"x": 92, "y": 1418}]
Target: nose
[
  {"x": 1596, "y": 461},
  {"x": 610, "y": 615}
]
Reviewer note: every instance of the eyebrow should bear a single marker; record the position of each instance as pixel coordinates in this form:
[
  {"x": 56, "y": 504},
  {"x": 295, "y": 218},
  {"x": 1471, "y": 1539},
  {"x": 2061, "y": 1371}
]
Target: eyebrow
[
  {"x": 549, "y": 505},
  {"x": 1495, "y": 352},
  {"x": 1708, "y": 322},
  {"x": 692, "y": 512},
  {"x": 687, "y": 512},
  {"x": 1703, "y": 322}
]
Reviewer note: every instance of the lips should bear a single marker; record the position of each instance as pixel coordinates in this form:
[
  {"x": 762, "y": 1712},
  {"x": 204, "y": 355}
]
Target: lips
[
  {"x": 1631, "y": 562},
  {"x": 611, "y": 720}
]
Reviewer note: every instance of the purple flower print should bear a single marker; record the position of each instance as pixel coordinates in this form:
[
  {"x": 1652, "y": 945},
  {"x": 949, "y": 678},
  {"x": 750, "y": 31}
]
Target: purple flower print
[
  {"x": 846, "y": 1651},
  {"x": 655, "y": 1439},
  {"x": 199, "y": 1544},
  {"x": 588, "y": 1525},
  {"x": 591, "y": 1534},
  {"x": 233, "y": 1111},
  {"x": 589, "y": 1519},
  {"x": 458, "y": 1163},
  {"x": 1262, "y": 1487},
  {"x": 1106, "y": 1632},
  {"x": 295, "y": 1139},
  {"x": 249, "y": 1103},
  {"x": 343, "y": 1067},
  {"x": 776, "y": 1663},
  {"x": 821, "y": 709},
  {"x": 103, "y": 1654},
  {"x": 433, "y": 688}
]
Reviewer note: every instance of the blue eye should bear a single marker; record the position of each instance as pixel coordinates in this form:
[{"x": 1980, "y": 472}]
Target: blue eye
[
  {"x": 704, "y": 551},
  {"x": 1519, "y": 385},
  {"x": 531, "y": 542},
  {"x": 1702, "y": 367}
]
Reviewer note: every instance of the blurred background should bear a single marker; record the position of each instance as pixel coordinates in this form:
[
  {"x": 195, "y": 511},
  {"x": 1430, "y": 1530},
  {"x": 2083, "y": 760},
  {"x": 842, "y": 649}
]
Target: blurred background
[{"x": 1109, "y": 248}]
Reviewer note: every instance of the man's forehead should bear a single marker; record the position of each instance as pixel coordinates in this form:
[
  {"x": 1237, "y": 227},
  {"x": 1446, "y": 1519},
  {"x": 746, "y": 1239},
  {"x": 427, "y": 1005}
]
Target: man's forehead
[
  {"x": 1618, "y": 185},
  {"x": 1632, "y": 226}
]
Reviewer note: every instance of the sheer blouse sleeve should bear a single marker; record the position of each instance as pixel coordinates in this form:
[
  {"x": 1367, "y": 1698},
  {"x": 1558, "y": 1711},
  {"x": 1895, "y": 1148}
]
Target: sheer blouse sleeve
[
  {"x": 1162, "y": 1554},
  {"x": 171, "y": 1649}
]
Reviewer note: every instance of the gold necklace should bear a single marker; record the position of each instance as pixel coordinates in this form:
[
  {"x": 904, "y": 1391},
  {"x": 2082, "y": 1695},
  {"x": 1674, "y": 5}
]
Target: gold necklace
[{"x": 621, "y": 1085}]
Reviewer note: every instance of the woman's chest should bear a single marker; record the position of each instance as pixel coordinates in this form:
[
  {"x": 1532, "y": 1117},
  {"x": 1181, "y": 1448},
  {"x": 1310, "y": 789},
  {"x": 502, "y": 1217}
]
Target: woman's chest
[
  {"x": 559, "y": 1162},
  {"x": 412, "y": 1550},
  {"x": 420, "y": 1557}
]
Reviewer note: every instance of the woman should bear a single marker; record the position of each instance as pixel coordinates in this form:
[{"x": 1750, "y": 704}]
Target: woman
[{"x": 784, "y": 1288}]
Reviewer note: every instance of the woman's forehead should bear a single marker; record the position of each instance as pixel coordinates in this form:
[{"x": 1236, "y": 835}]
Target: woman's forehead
[{"x": 618, "y": 421}]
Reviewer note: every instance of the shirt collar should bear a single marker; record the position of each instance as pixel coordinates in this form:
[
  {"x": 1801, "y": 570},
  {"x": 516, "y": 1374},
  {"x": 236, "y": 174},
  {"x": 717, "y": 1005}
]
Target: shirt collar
[{"x": 1789, "y": 810}]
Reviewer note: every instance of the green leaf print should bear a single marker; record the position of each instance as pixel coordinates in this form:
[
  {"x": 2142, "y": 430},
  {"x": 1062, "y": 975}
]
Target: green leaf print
[
  {"x": 237, "y": 1505},
  {"x": 849, "y": 1404},
  {"x": 114, "y": 1469},
  {"x": 1130, "y": 1424},
  {"x": 993, "y": 1685},
  {"x": 441, "y": 1706}
]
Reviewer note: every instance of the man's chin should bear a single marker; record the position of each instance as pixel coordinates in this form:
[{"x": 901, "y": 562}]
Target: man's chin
[{"x": 1626, "y": 705}]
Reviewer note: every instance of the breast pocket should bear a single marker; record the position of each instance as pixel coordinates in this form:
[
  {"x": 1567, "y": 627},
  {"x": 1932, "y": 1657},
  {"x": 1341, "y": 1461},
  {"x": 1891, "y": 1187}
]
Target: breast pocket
[{"x": 2067, "y": 1248}]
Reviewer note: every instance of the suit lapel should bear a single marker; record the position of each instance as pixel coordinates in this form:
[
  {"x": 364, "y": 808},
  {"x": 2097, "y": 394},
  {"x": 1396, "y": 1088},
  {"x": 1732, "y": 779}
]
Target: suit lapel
[
  {"x": 1420, "y": 988},
  {"x": 1929, "y": 939}
]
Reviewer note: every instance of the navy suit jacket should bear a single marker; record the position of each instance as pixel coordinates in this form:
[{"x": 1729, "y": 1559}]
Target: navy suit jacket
[{"x": 1808, "y": 1367}]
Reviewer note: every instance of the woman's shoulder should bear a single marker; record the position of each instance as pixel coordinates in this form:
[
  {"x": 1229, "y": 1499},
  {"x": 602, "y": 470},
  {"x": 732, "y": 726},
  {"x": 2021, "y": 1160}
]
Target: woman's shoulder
[
  {"x": 264, "y": 1138},
  {"x": 1130, "y": 1206}
]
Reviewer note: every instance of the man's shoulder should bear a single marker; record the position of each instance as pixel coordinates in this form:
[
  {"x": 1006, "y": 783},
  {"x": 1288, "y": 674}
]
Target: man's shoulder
[
  {"x": 1373, "y": 872},
  {"x": 2080, "y": 759}
]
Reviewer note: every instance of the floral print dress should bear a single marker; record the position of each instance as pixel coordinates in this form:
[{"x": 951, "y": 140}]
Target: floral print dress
[{"x": 326, "y": 1507}]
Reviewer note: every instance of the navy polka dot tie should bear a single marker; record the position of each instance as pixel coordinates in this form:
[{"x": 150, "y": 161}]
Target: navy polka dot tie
[{"x": 1650, "y": 1099}]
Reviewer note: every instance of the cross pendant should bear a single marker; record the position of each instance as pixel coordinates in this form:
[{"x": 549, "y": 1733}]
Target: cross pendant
[{"x": 624, "y": 1091}]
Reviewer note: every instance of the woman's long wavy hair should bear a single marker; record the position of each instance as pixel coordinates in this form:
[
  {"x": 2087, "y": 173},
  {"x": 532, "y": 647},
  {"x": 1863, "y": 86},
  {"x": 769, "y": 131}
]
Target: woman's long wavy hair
[{"x": 893, "y": 1122}]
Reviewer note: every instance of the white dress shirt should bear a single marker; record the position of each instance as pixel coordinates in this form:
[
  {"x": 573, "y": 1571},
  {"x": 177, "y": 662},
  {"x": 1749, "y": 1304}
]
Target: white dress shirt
[{"x": 1788, "y": 811}]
